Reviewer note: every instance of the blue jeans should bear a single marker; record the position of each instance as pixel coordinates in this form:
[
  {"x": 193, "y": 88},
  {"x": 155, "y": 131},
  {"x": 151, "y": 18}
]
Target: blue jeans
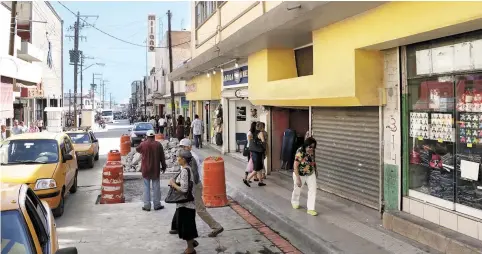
[
  {"x": 156, "y": 189},
  {"x": 197, "y": 141}
]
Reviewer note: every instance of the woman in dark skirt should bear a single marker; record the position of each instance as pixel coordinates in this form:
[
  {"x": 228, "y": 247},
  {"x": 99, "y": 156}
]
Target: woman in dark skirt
[
  {"x": 257, "y": 147},
  {"x": 184, "y": 221}
]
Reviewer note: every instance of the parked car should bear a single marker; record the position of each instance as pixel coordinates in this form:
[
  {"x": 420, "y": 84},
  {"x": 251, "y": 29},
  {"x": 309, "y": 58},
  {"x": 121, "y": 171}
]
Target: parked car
[
  {"x": 138, "y": 132},
  {"x": 45, "y": 161},
  {"x": 86, "y": 147},
  {"x": 28, "y": 225}
]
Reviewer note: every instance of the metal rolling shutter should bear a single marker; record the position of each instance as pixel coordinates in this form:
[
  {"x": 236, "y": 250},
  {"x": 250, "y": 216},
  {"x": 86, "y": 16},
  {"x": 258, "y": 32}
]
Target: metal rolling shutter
[{"x": 347, "y": 154}]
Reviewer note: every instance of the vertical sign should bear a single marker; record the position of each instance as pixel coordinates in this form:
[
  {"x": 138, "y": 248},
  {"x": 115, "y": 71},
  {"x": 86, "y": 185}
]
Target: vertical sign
[{"x": 151, "y": 33}]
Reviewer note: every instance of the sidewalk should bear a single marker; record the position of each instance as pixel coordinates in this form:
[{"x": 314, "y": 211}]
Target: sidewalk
[
  {"x": 126, "y": 229},
  {"x": 341, "y": 226}
]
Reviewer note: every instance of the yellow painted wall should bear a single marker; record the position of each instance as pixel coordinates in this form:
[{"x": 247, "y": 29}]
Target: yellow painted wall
[
  {"x": 231, "y": 10},
  {"x": 345, "y": 73},
  {"x": 271, "y": 4},
  {"x": 207, "y": 88}
]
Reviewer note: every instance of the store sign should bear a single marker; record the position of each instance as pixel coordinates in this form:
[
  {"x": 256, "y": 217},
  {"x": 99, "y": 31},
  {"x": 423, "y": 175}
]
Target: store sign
[
  {"x": 184, "y": 102},
  {"x": 191, "y": 88},
  {"x": 236, "y": 76},
  {"x": 151, "y": 33}
]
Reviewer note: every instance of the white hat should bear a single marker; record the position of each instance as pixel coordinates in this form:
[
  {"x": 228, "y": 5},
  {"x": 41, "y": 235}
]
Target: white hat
[
  {"x": 185, "y": 142},
  {"x": 150, "y": 133}
]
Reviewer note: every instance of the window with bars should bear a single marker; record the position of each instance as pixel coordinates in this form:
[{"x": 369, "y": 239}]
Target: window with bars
[{"x": 204, "y": 10}]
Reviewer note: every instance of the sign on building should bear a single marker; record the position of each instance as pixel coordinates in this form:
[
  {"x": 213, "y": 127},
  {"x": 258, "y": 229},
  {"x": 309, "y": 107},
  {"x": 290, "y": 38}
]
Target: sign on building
[
  {"x": 191, "y": 88},
  {"x": 236, "y": 76},
  {"x": 151, "y": 33}
]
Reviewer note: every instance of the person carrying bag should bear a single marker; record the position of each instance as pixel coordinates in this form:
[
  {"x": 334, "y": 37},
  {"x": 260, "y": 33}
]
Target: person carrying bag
[{"x": 181, "y": 193}]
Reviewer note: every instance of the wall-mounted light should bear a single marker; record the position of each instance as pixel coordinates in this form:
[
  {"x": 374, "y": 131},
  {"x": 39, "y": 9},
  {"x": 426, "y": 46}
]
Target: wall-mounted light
[
  {"x": 236, "y": 65},
  {"x": 214, "y": 72},
  {"x": 208, "y": 75},
  {"x": 222, "y": 70}
]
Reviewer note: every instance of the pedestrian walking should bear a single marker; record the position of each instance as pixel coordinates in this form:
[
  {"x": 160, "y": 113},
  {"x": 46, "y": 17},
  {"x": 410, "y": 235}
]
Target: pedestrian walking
[
  {"x": 16, "y": 129},
  {"x": 4, "y": 133},
  {"x": 250, "y": 136},
  {"x": 162, "y": 124},
  {"x": 304, "y": 171},
  {"x": 184, "y": 219},
  {"x": 197, "y": 127},
  {"x": 180, "y": 127},
  {"x": 40, "y": 124},
  {"x": 152, "y": 158},
  {"x": 187, "y": 127},
  {"x": 257, "y": 147},
  {"x": 33, "y": 128},
  {"x": 197, "y": 172}
]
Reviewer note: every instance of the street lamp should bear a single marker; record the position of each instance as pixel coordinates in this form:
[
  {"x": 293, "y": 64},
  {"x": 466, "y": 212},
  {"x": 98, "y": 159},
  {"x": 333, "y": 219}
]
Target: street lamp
[{"x": 82, "y": 81}]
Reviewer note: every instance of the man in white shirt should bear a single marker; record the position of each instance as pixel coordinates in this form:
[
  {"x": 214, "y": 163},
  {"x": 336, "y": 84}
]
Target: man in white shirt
[
  {"x": 162, "y": 124},
  {"x": 197, "y": 172},
  {"x": 17, "y": 129},
  {"x": 197, "y": 131}
]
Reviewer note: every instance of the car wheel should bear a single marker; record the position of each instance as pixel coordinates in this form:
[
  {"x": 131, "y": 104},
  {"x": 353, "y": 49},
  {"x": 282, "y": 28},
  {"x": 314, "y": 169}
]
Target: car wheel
[
  {"x": 91, "y": 162},
  {"x": 96, "y": 156},
  {"x": 57, "y": 212},
  {"x": 73, "y": 189}
]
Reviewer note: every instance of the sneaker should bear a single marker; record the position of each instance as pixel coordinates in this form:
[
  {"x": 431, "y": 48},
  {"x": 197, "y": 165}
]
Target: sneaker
[
  {"x": 159, "y": 207},
  {"x": 216, "y": 232},
  {"x": 296, "y": 206},
  {"x": 146, "y": 209},
  {"x": 173, "y": 232},
  {"x": 312, "y": 212},
  {"x": 261, "y": 184},
  {"x": 246, "y": 182}
]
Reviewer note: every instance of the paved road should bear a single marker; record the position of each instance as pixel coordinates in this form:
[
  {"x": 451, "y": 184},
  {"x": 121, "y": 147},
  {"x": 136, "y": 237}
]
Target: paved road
[{"x": 125, "y": 228}]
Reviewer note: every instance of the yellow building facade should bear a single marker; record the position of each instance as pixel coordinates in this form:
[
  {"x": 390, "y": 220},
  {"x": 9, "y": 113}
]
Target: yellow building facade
[{"x": 370, "y": 66}]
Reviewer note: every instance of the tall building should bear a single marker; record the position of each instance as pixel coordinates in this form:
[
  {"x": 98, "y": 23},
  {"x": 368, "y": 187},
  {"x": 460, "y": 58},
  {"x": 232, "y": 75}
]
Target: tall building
[
  {"x": 390, "y": 90},
  {"x": 36, "y": 64}
]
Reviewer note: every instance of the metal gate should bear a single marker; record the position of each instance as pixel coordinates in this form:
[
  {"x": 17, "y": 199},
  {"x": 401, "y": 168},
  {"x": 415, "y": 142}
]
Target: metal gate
[{"x": 347, "y": 152}]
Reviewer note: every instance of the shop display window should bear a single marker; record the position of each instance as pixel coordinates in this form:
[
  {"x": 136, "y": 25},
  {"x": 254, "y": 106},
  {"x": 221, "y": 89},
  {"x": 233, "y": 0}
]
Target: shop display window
[{"x": 445, "y": 138}]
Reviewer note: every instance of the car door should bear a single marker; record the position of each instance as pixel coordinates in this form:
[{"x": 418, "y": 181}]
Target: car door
[
  {"x": 69, "y": 149},
  {"x": 95, "y": 142},
  {"x": 38, "y": 216}
]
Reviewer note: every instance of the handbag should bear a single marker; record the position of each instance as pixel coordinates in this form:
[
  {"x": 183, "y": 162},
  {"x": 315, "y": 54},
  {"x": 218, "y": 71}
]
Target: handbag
[
  {"x": 177, "y": 197},
  {"x": 245, "y": 151}
]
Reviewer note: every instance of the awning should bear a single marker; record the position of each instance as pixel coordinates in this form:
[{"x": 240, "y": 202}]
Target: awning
[
  {"x": 26, "y": 73},
  {"x": 6, "y": 98}
]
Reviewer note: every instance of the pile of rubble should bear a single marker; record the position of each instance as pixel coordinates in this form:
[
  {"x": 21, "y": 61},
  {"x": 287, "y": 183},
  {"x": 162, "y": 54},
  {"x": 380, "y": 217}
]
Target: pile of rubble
[{"x": 132, "y": 161}]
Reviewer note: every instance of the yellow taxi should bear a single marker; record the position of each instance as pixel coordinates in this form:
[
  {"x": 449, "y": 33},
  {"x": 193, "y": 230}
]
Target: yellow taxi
[
  {"x": 28, "y": 225},
  {"x": 45, "y": 161},
  {"x": 86, "y": 146}
]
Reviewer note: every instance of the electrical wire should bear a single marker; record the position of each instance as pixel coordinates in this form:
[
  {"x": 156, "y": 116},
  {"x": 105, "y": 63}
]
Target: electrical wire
[{"x": 114, "y": 37}]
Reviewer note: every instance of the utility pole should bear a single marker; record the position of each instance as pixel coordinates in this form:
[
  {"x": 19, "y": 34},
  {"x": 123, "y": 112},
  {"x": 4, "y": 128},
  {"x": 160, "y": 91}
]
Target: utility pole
[
  {"x": 82, "y": 57},
  {"x": 76, "y": 62},
  {"x": 110, "y": 100},
  {"x": 145, "y": 96},
  {"x": 70, "y": 99},
  {"x": 173, "y": 105}
]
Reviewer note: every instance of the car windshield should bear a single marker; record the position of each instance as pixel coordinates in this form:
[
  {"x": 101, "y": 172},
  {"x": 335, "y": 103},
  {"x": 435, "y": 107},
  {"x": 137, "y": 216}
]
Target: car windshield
[
  {"x": 14, "y": 237},
  {"x": 106, "y": 113},
  {"x": 79, "y": 138},
  {"x": 143, "y": 127},
  {"x": 29, "y": 151}
]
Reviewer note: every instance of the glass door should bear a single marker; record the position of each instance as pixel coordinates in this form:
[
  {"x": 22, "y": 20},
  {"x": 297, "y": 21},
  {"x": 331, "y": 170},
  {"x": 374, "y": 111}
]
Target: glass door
[{"x": 468, "y": 179}]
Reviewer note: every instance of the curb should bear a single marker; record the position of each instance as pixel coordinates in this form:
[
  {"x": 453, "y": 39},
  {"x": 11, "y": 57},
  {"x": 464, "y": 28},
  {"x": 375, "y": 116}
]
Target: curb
[
  {"x": 306, "y": 241},
  {"x": 278, "y": 241}
]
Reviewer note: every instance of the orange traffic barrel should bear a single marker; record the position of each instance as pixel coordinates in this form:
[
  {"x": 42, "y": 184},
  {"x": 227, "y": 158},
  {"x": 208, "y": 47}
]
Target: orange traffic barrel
[
  {"x": 124, "y": 138},
  {"x": 113, "y": 155},
  {"x": 125, "y": 147},
  {"x": 112, "y": 188},
  {"x": 159, "y": 137},
  {"x": 214, "y": 182}
]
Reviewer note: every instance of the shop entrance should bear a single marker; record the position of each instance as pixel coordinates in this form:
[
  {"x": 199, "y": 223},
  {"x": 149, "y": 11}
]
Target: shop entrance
[
  {"x": 288, "y": 129},
  {"x": 241, "y": 113}
]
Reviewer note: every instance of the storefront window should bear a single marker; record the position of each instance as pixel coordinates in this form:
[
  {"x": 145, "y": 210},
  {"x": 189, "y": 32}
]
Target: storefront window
[
  {"x": 432, "y": 136},
  {"x": 445, "y": 137}
]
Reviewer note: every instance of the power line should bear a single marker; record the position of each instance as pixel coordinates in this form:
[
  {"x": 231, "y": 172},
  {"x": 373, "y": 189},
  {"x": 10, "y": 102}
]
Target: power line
[{"x": 114, "y": 37}]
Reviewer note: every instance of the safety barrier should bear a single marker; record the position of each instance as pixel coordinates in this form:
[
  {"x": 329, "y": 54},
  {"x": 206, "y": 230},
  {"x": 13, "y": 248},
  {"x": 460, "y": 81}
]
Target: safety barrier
[
  {"x": 159, "y": 137},
  {"x": 114, "y": 155},
  {"x": 214, "y": 182},
  {"x": 112, "y": 188},
  {"x": 125, "y": 147}
]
